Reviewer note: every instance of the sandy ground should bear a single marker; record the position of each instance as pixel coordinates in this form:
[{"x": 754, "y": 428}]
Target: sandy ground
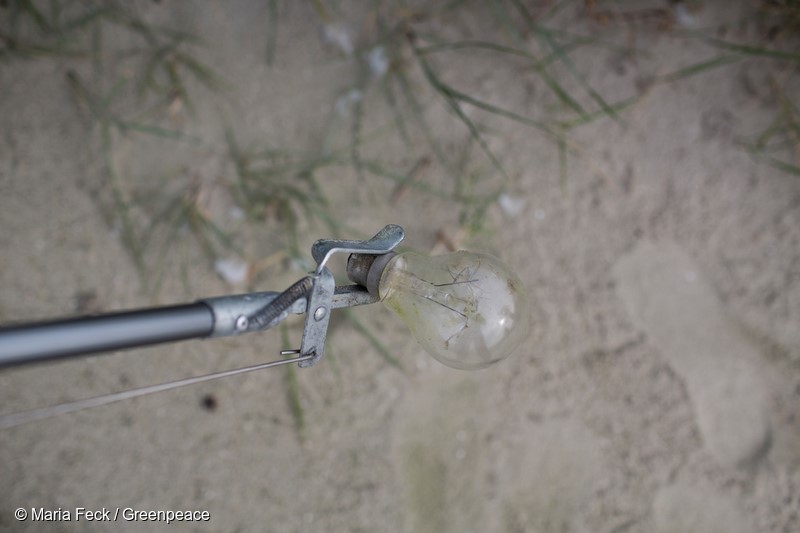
[{"x": 659, "y": 389}]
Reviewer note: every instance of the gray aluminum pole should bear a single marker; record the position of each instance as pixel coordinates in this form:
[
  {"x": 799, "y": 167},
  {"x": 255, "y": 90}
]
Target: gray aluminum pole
[{"x": 30, "y": 343}]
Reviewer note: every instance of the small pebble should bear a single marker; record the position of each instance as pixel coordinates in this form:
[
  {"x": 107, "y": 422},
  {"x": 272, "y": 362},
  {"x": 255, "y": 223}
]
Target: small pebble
[{"x": 209, "y": 402}]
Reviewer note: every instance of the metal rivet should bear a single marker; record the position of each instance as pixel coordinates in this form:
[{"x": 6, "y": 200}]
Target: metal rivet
[
  {"x": 241, "y": 323},
  {"x": 320, "y": 313}
]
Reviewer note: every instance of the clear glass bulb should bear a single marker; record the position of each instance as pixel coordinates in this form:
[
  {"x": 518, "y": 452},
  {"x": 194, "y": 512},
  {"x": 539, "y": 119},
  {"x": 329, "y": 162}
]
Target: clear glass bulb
[{"x": 467, "y": 310}]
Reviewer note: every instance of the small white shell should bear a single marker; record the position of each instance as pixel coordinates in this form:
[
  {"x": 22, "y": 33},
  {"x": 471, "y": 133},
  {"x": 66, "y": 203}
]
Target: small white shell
[{"x": 232, "y": 270}]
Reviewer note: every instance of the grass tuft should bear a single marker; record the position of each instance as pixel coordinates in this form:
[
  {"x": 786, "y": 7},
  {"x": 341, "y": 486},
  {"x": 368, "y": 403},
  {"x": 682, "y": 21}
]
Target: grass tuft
[{"x": 293, "y": 390}]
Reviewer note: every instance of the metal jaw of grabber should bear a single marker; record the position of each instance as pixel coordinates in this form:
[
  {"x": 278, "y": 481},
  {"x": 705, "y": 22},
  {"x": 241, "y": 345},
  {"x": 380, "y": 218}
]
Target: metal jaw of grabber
[{"x": 323, "y": 295}]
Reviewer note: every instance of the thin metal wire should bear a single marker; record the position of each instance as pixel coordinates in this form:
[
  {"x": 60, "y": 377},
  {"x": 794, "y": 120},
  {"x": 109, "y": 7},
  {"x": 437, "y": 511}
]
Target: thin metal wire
[{"x": 16, "y": 419}]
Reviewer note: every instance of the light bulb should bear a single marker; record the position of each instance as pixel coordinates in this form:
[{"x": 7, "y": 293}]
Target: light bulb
[{"x": 467, "y": 310}]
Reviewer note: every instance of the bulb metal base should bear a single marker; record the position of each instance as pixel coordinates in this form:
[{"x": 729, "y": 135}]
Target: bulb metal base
[{"x": 366, "y": 270}]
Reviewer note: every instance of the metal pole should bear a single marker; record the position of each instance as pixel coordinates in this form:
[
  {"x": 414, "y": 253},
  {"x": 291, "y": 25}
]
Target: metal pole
[{"x": 30, "y": 343}]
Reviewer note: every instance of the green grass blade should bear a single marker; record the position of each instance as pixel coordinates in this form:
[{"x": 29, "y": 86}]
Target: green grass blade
[
  {"x": 333, "y": 362},
  {"x": 381, "y": 348},
  {"x": 55, "y": 12},
  {"x": 562, "y": 165},
  {"x": 548, "y": 41},
  {"x": 173, "y": 214},
  {"x": 537, "y": 63},
  {"x": 752, "y": 50},
  {"x": 698, "y": 68},
  {"x": 355, "y": 129},
  {"x": 561, "y": 93},
  {"x": 177, "y": 86},
  {"x": 475, "y": 45},
  {"x": 591, "y": 117},
  {"x": 148, "y": 75},
  {"x": 27, "y": 6},
  {"x": 501, "y": 13},
  {"x": 419, "y": 117},
  {"x": 130, "y": 240},
  {"x": 775, "y": 146},
  {"x": 83, "y": 97},
  {"x": 272, "y": 30},
  {"x": 293, "y": 389},
  {"x": 235, "y": 153},
  {"x": 391, "y": 99},
  {"x": 597, "y": 42},
  {"x": 221, "y": 236},
  {"x": 456, "y": 108},
  {"x": 201, "y": 72},
  {"x": 553, "y": 10},
  {"x": 500, "y": 111},
  {"x": 779, "y": 164},
  {"x": 565, "y": 59},
  {"x": 105, "y": 102},
  {"x": 97, "y": 50},
  {"x": 84, "y": 19},
  {"x": 36, "y": 51},
  {"x": 377, "y": 169},
  {"x": 149, "y": 129},
  {"x": 121, "y": 17}
]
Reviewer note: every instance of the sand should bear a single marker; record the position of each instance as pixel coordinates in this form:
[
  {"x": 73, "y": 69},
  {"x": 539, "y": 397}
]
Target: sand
[{"x": 659, "y": 389}]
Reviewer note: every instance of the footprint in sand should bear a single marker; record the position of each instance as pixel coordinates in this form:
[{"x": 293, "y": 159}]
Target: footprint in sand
[
  {"x": 440, "y": 455},
  {"x": 550, "y": 478},
  {"x": 693, "y": 507},
  {"x": 666, "y": 294},
  {"x": 455, "y": 480}
]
